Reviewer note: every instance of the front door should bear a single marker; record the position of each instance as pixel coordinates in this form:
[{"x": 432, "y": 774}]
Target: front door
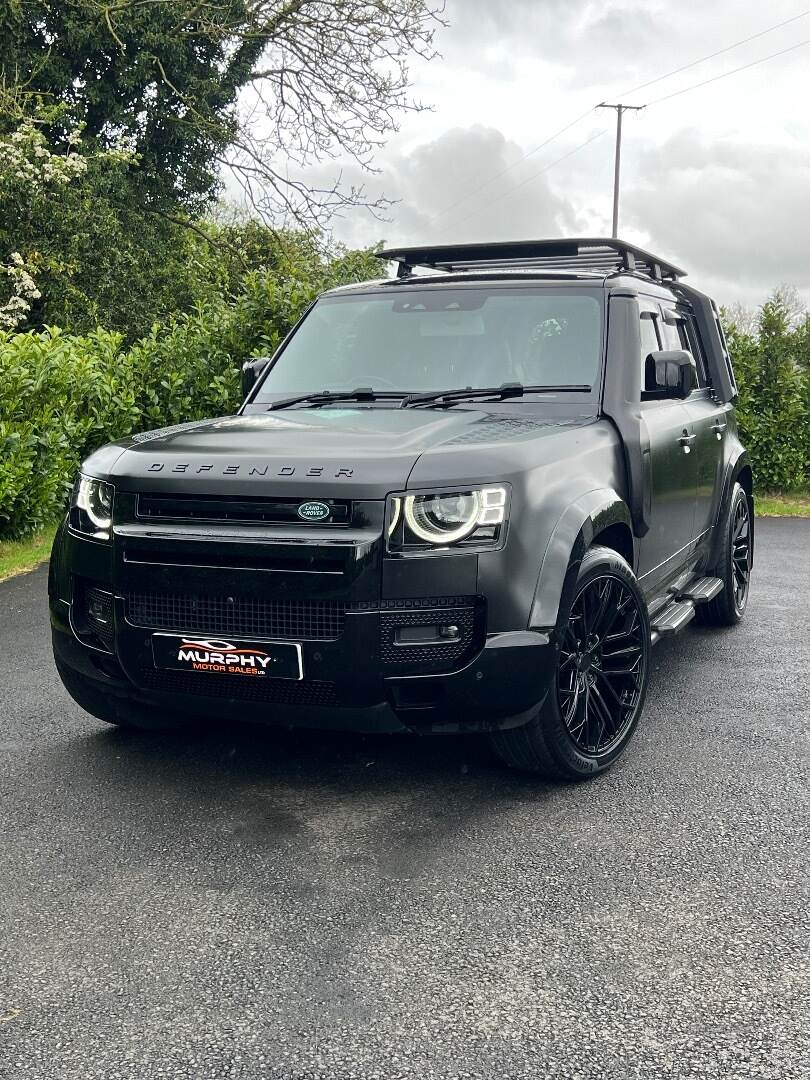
[
  {"x": 671, "y": 472},
  {"x": 708, "y": 419}
]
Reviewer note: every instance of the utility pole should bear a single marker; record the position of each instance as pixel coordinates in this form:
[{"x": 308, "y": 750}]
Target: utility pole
[{"x": 620, "y": 110}]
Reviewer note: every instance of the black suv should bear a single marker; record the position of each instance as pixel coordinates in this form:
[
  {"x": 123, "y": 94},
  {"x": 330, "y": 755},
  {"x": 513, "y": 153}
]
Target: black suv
[{"x": 467, "y": 498}]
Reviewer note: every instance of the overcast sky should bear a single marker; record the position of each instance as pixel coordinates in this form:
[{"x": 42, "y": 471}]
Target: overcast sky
[{"x": 718, "y": 179}]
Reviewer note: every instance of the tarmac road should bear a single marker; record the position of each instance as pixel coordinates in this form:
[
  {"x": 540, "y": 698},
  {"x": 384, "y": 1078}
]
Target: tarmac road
[{"x": 246, "y": 904}]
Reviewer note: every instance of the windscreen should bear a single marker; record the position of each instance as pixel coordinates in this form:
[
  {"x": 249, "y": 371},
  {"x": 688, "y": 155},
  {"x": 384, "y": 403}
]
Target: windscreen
[{"x": 415, "y": 340}]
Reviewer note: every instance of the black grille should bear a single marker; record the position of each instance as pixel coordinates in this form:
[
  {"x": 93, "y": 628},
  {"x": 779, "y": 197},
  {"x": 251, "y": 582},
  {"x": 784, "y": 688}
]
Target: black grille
[
  {"x": 242, "y": 616},
  {"x": 172, "y": 507},
  {"x": 428, "y": 658},
  {"x": 260, "y": 691}
]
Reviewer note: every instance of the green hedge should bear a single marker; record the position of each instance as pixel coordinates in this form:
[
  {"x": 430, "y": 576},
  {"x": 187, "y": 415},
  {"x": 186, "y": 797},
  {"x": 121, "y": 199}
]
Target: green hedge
[{"x": 63, "y": 395}]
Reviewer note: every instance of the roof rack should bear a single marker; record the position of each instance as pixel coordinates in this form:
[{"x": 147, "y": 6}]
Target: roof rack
[{"x": 600, "y": 255}]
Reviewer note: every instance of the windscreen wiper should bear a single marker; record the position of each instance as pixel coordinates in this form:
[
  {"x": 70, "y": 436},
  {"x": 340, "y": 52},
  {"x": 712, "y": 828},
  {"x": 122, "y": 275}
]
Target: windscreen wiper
[
  {"x": 492, "y": 393},
  {"x": 326, "y": 397}
]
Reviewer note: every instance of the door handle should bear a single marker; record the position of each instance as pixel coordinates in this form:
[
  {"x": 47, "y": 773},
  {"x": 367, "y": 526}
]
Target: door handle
[
  {"x": 718, "y": 428},
  {"x": 686, "y": 440}
]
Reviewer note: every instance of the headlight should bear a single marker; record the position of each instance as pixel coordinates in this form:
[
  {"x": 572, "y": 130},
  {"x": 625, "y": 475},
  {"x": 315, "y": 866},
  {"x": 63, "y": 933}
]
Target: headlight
[
  {"x": 91, "y": 507},
  {"x": 420, "y": 522}
]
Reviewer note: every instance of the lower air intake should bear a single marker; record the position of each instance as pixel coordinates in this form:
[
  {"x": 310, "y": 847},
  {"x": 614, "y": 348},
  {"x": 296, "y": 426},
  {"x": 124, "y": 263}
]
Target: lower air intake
[{"x": 258, "y": 691}]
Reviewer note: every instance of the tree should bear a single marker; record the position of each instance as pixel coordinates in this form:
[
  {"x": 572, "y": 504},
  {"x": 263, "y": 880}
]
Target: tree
[
  {"x": 262, "y": 88},
  {"x": 771, "y": 365}
]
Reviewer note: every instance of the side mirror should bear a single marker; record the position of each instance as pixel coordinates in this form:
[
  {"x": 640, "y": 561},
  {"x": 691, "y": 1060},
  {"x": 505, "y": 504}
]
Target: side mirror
[
  {"x": 670, "y": 373},
  {"x": 251, "y": 373}
]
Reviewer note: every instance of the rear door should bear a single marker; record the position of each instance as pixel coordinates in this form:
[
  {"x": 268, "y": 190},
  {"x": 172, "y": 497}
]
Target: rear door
[
  {"x": 707, "y": 419},
  {"x": 671, "y": 473}
]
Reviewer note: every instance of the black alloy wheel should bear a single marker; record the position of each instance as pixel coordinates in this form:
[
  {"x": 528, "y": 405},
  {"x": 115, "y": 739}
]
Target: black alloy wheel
[
  {"x": 602, "y": 666},
  {"x": 595, "y": 696},
  {"x": 741, "y": 553},
  {"x": 732, "y": 565}
]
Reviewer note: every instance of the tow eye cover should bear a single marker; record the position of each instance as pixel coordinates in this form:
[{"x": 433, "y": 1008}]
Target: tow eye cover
[{"x": 314, "y": 511}]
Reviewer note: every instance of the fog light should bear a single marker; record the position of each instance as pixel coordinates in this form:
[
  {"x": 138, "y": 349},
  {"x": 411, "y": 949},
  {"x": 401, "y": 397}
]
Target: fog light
[
  {"x": 430, "y": 634},
  {"x": 98, "y": 608}
]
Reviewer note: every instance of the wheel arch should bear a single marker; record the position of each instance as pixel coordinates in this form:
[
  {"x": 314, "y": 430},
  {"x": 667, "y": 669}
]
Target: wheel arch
[
  {"x": 738, "y": 471},
  {"x": 599, "y": 516}
]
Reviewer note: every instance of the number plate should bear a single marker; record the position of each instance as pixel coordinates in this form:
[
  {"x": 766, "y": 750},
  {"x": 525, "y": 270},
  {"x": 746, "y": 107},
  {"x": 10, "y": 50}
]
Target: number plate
[{"x": 217, "y": 656}]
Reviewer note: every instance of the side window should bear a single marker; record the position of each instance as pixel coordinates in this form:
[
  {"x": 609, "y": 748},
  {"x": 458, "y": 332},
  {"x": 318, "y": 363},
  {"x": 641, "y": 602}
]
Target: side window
[
  {"x": 650, "y": 340},
  {"x": 695, "y": 346},
  {"x": 677, "y": 336}
]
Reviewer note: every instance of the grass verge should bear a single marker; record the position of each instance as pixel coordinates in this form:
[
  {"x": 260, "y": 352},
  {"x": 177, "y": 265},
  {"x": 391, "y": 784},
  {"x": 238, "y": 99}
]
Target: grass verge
[
  {"x": 17, "y": 556},
  {"x": 773, "y": 504}
]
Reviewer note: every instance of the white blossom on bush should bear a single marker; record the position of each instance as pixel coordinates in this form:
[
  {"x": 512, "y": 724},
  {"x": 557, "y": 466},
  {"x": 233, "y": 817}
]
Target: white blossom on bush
[
  {"x": 25, "y": 158},
  {"x": 23, "y": 290},
  {"x": 29, "y": 168}
]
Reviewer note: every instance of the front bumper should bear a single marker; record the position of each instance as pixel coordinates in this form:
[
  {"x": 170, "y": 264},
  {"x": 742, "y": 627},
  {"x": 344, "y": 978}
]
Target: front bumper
[
  {"x": 353, "y": 678},
  {"x": 501, "y": 687}
]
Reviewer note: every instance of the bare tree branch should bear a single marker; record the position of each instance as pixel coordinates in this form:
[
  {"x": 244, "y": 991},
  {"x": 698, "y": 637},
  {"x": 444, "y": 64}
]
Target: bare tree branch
[{"x": 321, "y": 80}]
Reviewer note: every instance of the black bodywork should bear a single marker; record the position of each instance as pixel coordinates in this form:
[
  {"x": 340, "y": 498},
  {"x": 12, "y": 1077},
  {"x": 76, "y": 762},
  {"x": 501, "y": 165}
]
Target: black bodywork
[{"x": 207, "y": 538}]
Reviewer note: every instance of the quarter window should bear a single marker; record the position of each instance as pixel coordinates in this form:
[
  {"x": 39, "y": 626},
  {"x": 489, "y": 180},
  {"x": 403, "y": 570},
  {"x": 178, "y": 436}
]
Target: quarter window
[
  {"x": 695, "y": 346},
  {"x": 678, "y": 329},
  {"x": 650, "y": 341}
]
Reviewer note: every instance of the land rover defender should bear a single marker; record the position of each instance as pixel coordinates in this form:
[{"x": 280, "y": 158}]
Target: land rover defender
[{"x": 469, "y": 497}]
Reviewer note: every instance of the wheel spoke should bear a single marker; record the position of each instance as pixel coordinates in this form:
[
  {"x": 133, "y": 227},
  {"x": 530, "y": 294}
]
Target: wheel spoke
[
  {"x": 604, "y": 600},
  {"x": 628, "y": 650},
  {"x": 609, "y": 687},
  {"x": 602, "y": 710}
]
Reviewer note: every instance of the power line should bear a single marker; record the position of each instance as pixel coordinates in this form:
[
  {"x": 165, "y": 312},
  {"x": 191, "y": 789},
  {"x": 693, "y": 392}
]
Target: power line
[
  {"x": 711, "y": 56},
  {"x": 528, "y": 179},
  {"x": 725, "y": 74},
  {"x": 511, "y": 165}
]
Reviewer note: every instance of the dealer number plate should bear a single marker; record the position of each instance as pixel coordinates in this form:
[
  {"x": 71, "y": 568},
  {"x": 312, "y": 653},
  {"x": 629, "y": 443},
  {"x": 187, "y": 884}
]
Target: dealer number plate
[{"x": 218, "y": 656}]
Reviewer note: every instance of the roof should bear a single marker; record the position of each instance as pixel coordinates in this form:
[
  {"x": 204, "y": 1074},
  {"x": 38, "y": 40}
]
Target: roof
[{"x": 598, "y": 255}]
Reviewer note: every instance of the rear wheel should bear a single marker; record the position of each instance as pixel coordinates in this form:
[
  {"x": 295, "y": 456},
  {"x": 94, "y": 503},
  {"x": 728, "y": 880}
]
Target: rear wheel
[
  {"x": 116, "y": 710},
  {"x": 600, "y": 683},
  {"x": 734, "y": 566}
]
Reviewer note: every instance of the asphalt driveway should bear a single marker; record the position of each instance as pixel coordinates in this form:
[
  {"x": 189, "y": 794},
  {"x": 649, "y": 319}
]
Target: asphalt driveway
[{"x": 248, "y": 904}]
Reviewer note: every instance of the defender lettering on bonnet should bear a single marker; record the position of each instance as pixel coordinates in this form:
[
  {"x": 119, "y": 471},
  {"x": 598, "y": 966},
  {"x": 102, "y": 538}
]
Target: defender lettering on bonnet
[{"x": 208, "y": 468}]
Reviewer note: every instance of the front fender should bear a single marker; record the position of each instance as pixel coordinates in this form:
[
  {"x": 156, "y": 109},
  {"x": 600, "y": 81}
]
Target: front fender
[{"x": 573, "y": 534}]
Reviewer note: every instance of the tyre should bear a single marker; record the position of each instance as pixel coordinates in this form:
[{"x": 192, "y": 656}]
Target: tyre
[
  {"x": 733, "y": 566},
  {"x": 598, "y": 690},
  {"x": 116, "y": 710}
]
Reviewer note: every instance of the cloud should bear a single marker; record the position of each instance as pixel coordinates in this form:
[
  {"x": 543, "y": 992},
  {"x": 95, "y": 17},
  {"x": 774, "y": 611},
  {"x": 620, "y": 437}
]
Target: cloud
[
  {"x": 736, "y": 212},
  {"x": 436, "y": 185}
]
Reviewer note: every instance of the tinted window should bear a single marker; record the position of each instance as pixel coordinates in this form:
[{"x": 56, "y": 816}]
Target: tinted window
[
  {"x": 412, "y": 339},
  {"x": 648, "y": 327},
  {"x": 696, "y": 348}
]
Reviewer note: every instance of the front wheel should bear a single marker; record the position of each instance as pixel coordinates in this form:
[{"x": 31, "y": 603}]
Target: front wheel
[{"x": 600, "y": 682}]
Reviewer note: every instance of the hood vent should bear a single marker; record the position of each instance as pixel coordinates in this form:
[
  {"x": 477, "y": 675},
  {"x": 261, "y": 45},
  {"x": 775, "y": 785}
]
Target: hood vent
[{"x": 164, "y": 506}]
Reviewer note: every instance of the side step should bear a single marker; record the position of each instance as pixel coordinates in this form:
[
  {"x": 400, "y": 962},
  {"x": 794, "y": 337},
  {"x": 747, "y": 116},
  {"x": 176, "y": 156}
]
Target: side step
[
  {"x": 702, "y": 590},
  {"x": 672, "y": 619}
]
